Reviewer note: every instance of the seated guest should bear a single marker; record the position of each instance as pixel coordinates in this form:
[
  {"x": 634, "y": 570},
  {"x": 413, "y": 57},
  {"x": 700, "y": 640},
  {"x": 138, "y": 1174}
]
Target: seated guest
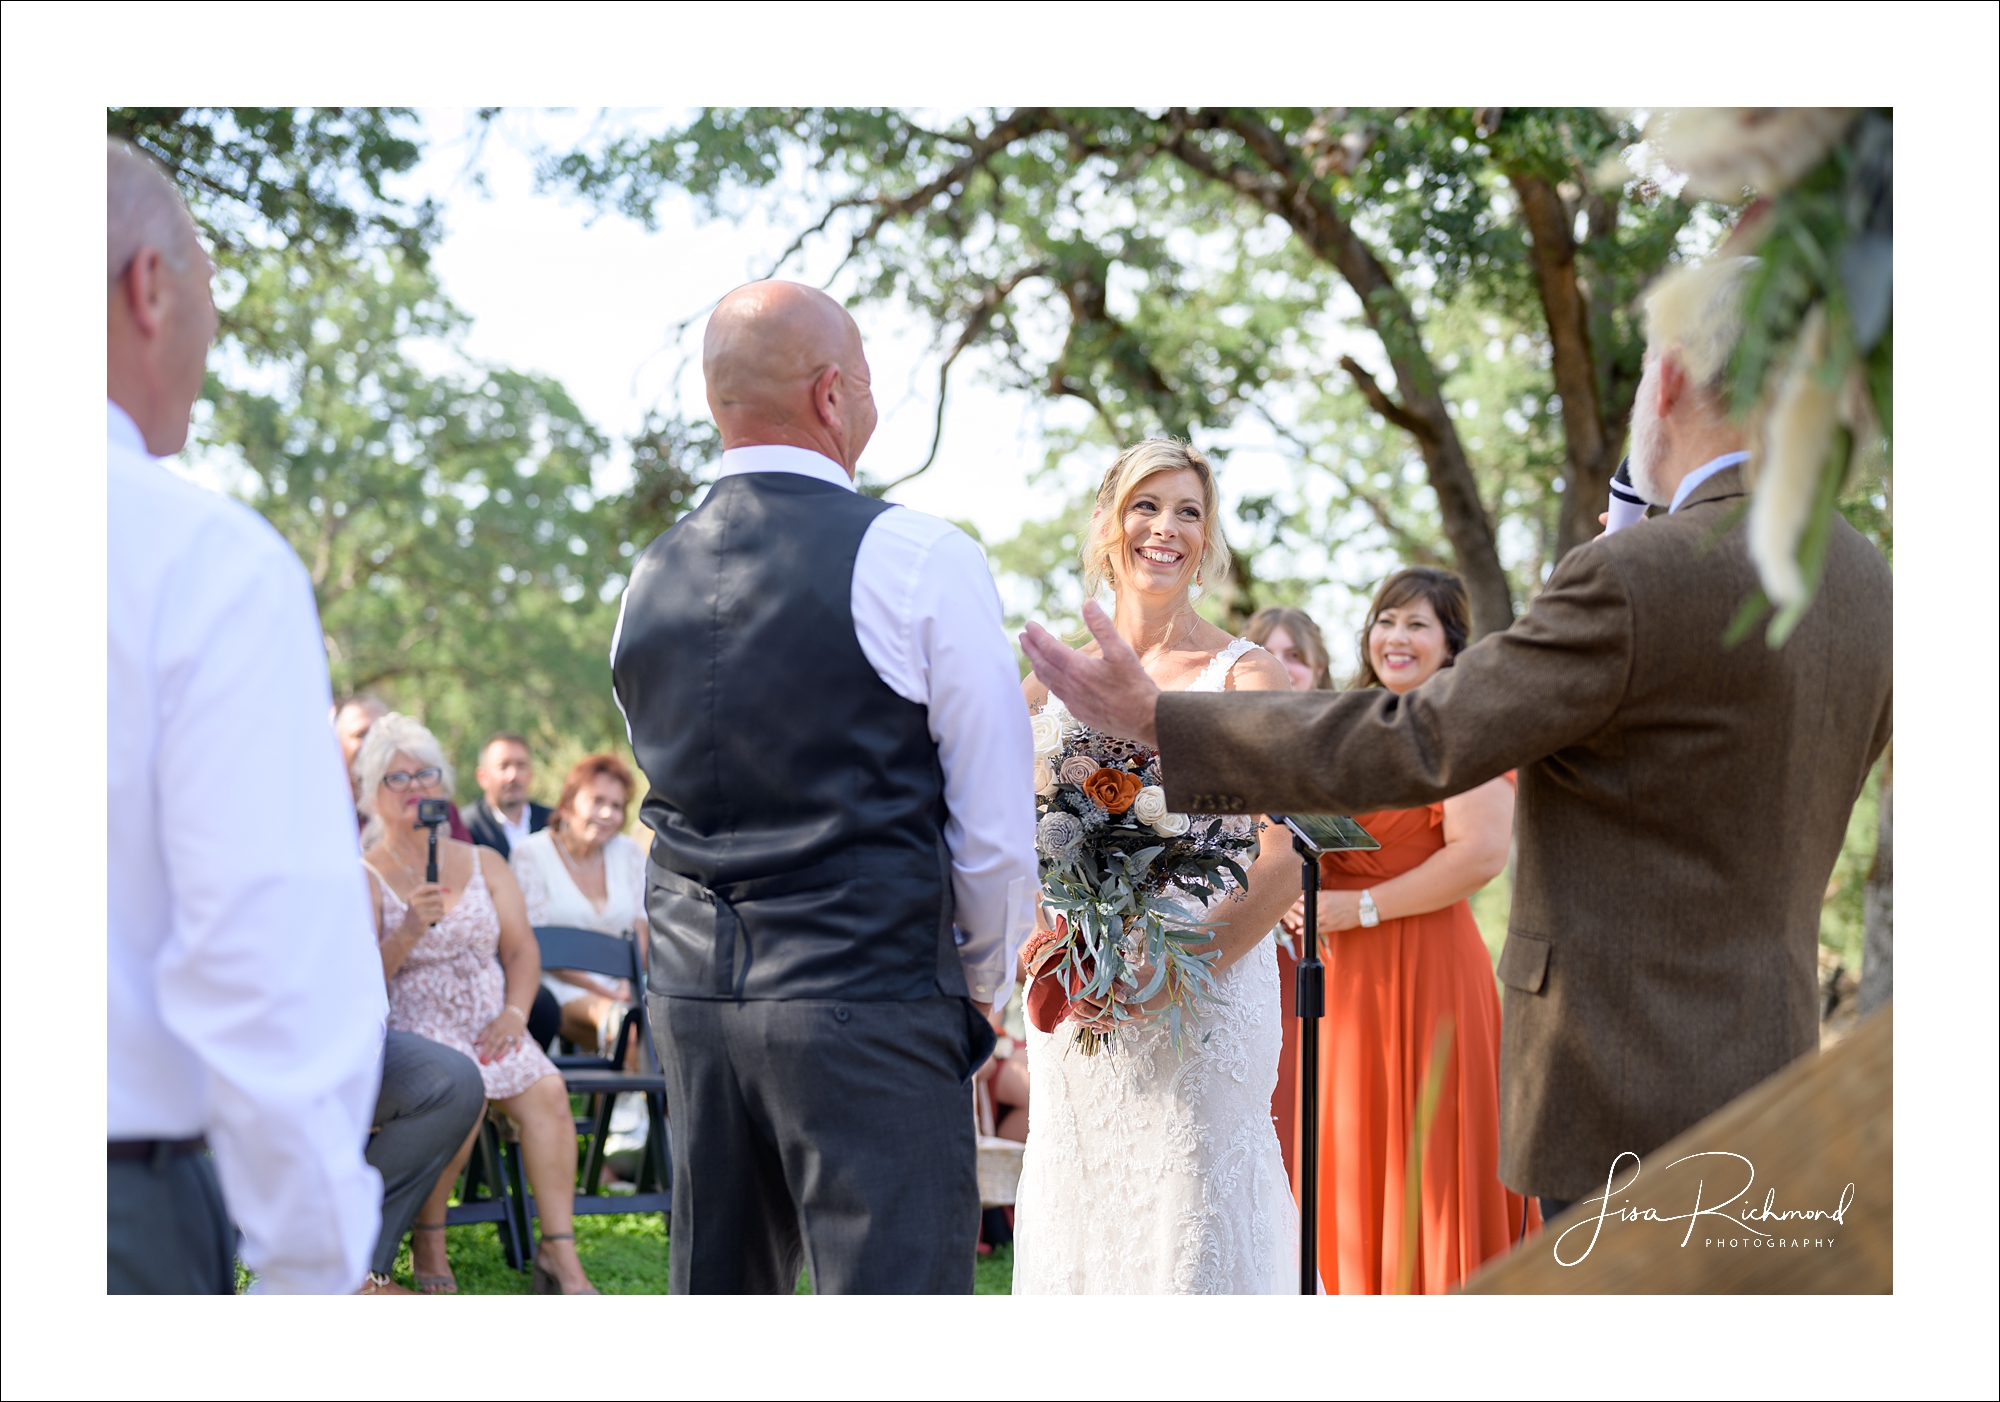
[
  {"x": 583, "y": 872},
  {"x": 352, "y": 718},
  {"x": 1291, "y": 636},
  {"x": 505, "y": 815},
  {"x": 431, "y": 1099},
  {"x": 1404, "y": 957},
  {"x": 462, "y": 967},
  {"x": 501, "y": 818}
]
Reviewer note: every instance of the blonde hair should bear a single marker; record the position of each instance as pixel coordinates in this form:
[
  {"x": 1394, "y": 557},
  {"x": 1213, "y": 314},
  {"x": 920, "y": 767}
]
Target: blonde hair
[
  {"x": 393, "y": 734},
  {"x": 1122, "y": 480},
  {"x": 1698, "y": 311}
]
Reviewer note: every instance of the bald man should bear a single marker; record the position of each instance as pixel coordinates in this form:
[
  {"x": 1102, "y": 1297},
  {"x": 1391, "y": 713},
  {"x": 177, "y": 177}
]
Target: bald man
[
  {"x": 819, "y": 689},
  {"x": 246, "y": 1064}
]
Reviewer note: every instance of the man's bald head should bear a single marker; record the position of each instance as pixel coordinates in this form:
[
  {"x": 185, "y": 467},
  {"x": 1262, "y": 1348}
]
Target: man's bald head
[
  {"x": 143, "y": 211},
  {"x": 160, "y": 316},
  {"x": 784, "y": 364}
]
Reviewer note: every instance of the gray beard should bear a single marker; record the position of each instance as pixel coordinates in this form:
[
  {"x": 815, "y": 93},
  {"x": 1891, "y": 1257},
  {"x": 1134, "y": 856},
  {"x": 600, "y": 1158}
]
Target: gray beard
[{"x": 1649, "y": 447}]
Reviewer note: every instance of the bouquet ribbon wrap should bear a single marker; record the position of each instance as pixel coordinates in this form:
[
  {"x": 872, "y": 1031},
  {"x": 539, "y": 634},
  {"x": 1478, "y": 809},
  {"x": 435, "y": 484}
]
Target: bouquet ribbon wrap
[{"x": 1049, "y": 993}]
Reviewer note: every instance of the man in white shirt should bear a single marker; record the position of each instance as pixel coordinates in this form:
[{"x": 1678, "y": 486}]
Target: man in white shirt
[
  {"x": 819, "y": 688},
  {"x": 246, "y": 1001}
]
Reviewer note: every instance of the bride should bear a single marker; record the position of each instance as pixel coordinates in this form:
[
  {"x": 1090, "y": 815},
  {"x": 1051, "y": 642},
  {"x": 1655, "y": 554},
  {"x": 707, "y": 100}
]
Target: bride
[{"x": 1151, "y": 1170}]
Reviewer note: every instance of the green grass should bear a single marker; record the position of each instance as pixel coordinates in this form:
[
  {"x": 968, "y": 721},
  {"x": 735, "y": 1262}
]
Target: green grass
[{"x": 623, "y": 1256}]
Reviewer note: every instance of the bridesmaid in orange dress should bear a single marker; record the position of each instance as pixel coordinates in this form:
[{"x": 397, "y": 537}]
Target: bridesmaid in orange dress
[{"x": 1404, "y": 956}]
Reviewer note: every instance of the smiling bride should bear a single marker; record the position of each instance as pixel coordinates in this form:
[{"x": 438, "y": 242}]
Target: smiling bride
[{"x": 1151, "y": 1169}]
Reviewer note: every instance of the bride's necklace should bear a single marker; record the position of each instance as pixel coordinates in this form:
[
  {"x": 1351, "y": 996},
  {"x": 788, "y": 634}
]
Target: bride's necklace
[{"x": 1194, "y": 620}]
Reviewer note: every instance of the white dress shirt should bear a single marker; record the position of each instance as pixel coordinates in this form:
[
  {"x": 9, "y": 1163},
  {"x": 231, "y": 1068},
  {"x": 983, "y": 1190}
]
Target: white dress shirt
[
  {"x": 929, "y": 622},
  {"x": 515, "y": 833},
  {"x": 246, "y": 994},
  {"x": 1702, "y": 474}
]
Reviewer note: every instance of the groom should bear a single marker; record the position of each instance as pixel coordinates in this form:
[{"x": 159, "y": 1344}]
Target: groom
[{"x": 819, "y": 689}]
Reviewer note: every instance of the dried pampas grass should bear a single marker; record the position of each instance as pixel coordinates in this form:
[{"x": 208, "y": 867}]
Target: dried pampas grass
[
  {"x": 1698, "y": 310},
  {"x": 1796, "y": 437},
  {"x": 1725, "y": 151}
]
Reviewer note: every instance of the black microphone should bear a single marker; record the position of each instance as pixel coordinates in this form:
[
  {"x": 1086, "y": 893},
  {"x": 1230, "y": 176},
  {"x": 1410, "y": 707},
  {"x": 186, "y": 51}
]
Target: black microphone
[{"x": 1627, "y": 505}]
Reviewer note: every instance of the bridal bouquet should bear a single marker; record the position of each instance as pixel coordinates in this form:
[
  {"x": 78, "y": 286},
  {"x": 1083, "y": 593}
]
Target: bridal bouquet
[{"x": 1112, "y": 859}]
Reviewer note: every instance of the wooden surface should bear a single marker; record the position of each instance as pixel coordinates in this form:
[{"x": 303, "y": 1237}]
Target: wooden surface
[{"x": 1808, "y": 1132}]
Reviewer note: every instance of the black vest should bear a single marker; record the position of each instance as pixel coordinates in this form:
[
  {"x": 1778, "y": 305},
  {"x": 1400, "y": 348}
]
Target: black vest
[{"x": 797, "y": 804}]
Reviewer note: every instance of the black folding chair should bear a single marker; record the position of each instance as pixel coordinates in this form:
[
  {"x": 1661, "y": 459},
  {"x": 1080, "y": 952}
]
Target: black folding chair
[
  {"x": 603, "y": 1078},
  {"x": 494, "y": 1189}
]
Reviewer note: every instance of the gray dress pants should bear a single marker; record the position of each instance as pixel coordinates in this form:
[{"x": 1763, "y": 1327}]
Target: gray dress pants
[
  {"x": 834, "y": 1135},
  {"x": 169, "y": 1233},
  {"x": 431, "y": 1098},
  {"x": 166, "y": 1230}
]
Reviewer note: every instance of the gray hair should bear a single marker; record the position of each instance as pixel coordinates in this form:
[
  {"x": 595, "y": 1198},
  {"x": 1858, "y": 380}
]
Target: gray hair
[
  {"x": 144, "y": 211},
  {"x": 1698, "y": 311},
  {"x": 393, "y": 734}
]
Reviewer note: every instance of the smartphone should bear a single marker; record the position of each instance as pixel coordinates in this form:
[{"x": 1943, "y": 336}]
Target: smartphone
[{"x": 1327, "y": 832}]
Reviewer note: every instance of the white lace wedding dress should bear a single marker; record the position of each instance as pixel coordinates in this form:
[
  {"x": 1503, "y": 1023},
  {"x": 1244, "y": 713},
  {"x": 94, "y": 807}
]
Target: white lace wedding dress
[{"x": 1153, "y": 1171}]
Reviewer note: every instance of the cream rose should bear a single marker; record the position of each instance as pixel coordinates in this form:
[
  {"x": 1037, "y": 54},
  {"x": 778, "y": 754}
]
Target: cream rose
[
  {"x": 1047, "y": 732},
  {"x": 1045, "y": 777},
  {"x": 1171, "y": 825},
  {"x": 1151, "y": 804}
]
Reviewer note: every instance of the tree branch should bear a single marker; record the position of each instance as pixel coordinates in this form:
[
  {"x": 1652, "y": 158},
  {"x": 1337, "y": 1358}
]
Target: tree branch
[
  {"x": 1588, "y": 475},
  {"x": 1381, "y": 403},
  {"x": 989, "y": 302}
]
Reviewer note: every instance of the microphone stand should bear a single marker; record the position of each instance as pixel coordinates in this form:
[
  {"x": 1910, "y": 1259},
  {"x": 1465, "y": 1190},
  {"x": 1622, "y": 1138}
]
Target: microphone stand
[{"x": 1309, "y": 1006}]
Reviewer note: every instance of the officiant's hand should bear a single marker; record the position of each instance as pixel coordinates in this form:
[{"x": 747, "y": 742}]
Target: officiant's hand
[{"x": 1110, "y": 693}]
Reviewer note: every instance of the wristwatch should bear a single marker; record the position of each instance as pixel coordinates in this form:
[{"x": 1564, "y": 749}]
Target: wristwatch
[{"x": 1370, "y": 916}]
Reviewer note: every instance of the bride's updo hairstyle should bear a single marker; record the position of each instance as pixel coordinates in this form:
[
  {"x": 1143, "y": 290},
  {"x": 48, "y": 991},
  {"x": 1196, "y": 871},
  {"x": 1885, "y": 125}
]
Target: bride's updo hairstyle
[{"x": 1122, "y": 480}]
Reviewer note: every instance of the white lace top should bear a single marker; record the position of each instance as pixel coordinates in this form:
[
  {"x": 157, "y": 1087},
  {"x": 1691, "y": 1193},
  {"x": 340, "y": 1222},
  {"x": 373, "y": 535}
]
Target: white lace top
[{"x": 553, "y": 897}]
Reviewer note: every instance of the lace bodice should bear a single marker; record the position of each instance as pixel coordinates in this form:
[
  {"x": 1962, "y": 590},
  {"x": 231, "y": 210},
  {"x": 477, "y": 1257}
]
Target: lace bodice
[{"x": 1155, "y": 1171}]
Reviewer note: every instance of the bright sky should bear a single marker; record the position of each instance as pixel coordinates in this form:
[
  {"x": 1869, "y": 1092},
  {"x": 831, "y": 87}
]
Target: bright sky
[{"x": 593, "y": 300}]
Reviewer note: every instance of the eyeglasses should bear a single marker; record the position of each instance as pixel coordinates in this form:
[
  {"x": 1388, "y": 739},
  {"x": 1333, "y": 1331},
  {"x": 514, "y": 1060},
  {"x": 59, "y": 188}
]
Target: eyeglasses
[{"x": 402, "y": 779}]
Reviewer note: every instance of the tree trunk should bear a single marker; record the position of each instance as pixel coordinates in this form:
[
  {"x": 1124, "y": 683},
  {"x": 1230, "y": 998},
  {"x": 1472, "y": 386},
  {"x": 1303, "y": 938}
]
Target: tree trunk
[
  {"x": 1588, "y": 444},
  {"x": 1288, "y": 188},
  {"x": 1878, "y": 906}
]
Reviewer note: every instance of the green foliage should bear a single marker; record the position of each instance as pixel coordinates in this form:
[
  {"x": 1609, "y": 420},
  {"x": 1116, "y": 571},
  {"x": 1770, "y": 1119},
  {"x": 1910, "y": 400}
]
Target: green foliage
[
  {"x": 1135, "y": 261},
  {"x": 1842, "y": 918},
  {"x": 463, "y": 564}
]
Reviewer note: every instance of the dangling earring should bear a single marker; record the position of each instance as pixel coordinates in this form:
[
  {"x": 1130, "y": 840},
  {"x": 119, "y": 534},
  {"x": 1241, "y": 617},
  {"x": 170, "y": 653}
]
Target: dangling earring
[{"x": 1197, "y": 577}]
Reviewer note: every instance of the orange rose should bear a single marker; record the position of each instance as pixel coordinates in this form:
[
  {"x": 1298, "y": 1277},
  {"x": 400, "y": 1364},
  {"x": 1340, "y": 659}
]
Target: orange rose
[{"x": 1112, "y": 789}]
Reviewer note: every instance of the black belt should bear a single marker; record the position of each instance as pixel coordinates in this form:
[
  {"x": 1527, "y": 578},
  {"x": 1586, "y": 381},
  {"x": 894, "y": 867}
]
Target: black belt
[{"x": 135, "y": 1150}]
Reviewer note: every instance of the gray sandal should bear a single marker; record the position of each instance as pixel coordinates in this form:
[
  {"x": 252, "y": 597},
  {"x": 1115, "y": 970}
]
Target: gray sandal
[
  {"x": 543, "y": 1281},
  {"x": 432, "y": 1284}
]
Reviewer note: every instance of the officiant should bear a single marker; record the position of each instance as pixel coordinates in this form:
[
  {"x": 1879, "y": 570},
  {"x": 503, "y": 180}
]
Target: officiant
[{"x": 1681, "y": 804}]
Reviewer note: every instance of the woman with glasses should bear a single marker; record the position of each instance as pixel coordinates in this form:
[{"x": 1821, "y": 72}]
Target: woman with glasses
[{"x": 463, "y": 967}]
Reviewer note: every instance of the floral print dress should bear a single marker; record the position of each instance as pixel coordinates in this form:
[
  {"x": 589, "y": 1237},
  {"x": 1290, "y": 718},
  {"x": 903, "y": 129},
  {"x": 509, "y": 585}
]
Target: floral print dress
[{"x": 451, "y": 986}]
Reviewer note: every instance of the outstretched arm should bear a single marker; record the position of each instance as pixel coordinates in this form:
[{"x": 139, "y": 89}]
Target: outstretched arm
[{"x": 1552, "y": 680}]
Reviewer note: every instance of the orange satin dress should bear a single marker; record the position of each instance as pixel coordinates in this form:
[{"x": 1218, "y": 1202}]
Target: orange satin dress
[{"x": 1387, "y": 988}]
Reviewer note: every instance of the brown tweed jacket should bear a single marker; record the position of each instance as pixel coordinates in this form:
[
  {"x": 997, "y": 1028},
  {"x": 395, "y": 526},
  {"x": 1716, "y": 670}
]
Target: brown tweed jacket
[{"x": 1680, "y": 810}]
